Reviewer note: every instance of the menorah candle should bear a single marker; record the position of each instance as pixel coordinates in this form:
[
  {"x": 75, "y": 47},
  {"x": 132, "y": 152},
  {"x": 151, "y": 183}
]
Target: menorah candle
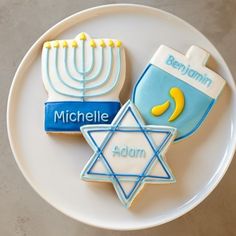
[
  {"x": 83, "y": 78},
  {"x": 177, "y": 90}
]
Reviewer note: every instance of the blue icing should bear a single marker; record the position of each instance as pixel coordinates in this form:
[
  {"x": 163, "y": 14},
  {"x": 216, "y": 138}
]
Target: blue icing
[
  {"x": 70, "y": 116},
  {"x": 98, "y": 72},
  {"x": 153, "y": 89},
  {"x": 127, "y": 151},
  {"x": 188, "y": 71}
]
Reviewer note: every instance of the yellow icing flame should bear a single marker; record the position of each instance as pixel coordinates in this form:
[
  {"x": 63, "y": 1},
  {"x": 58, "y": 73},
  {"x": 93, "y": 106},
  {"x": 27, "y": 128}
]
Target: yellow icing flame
[
  {"x": 118, "y": 43},
  {"x": 56, "y": 44},
  {"x": 92, "y": 43},
  {"x": 160, "y": 109},
  {"x": 102, "y": 43},
  {"x": 74, "y": 44},
  {"x": 82, "y": 36},
  {"x": 47, "y": 45},
  {"x": 64, "y": 44},
  {"x": 178, "y": 97},
  {"x": 110, "y": 43}
]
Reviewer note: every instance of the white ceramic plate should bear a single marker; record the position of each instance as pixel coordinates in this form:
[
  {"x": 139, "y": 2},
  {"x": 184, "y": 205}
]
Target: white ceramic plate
[{"x": 52, "y": 163}]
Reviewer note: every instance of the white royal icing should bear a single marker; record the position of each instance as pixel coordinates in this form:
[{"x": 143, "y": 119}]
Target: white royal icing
[{"x": 60, "y": 67}]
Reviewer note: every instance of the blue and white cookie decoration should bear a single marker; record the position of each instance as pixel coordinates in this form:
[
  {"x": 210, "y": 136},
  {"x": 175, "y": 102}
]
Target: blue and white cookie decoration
[
  {"x": 128, "y": 153},
  {"x": 177, "y": 90},
  {"x": 83, "y": 78}
]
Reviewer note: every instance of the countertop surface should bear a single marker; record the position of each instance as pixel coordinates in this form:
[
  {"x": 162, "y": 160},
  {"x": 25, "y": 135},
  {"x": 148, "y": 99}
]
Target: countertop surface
[{"x": 22, "y": 211}]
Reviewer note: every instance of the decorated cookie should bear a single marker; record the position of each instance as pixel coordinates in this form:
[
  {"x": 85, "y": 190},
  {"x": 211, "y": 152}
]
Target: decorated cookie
[
  {"x": 83, "y": 78},
  {"x": 177, "y": 90},
  {"x": 128, "y": 153}
]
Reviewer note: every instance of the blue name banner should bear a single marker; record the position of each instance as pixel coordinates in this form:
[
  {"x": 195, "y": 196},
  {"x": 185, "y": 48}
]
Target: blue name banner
[{"x": 69, "y": 116}]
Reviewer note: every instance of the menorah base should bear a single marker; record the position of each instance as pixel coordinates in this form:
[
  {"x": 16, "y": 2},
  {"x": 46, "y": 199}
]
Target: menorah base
[{"x": 69, "y": 116}]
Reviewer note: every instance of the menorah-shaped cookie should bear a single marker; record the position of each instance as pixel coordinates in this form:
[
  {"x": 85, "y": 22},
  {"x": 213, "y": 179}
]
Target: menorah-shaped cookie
[{"x": 83, "y": 78}]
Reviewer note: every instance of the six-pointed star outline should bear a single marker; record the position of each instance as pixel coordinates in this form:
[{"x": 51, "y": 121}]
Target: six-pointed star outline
[{"x": 126, "y": 180}]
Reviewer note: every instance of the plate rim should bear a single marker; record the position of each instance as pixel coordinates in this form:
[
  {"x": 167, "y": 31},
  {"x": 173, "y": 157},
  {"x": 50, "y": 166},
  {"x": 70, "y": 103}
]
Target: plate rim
[{"x": 67, "y": 23}]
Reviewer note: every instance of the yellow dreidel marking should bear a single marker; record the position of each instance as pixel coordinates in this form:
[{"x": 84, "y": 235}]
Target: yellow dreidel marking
[
  {"x": 178, "y": 97},
  {"x": 160, "y": 109},
  {"x": 179, "y": 100}
]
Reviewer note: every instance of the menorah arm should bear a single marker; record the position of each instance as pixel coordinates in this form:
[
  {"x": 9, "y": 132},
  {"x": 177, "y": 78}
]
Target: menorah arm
[
  {"x": 107, "y": 76},
  {"x": 83, "y": 72},
  {"x": 58, "y": 76},
  {"x": 46, "y": 73},
  {"x": 87, "y": 79},
  {"x": 86, "y": 88},
  {"x": 47, "y": 76},
  {"x": 99, "y": 70},
  {"x": 65, "y": 52},
  {"x": 114, "y": 81}
]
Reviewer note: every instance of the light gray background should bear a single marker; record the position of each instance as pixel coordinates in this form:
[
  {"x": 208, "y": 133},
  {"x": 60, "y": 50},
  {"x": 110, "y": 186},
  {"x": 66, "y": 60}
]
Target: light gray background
[{"x": 22, "y": 211}]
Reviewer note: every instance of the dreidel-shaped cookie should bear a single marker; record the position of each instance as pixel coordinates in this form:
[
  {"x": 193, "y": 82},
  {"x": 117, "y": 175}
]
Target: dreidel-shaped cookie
[{"x": 177, "y": 90}]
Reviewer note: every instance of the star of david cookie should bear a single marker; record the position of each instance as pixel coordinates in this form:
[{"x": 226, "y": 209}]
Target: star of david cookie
[{"x": 128, "y": 153}]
